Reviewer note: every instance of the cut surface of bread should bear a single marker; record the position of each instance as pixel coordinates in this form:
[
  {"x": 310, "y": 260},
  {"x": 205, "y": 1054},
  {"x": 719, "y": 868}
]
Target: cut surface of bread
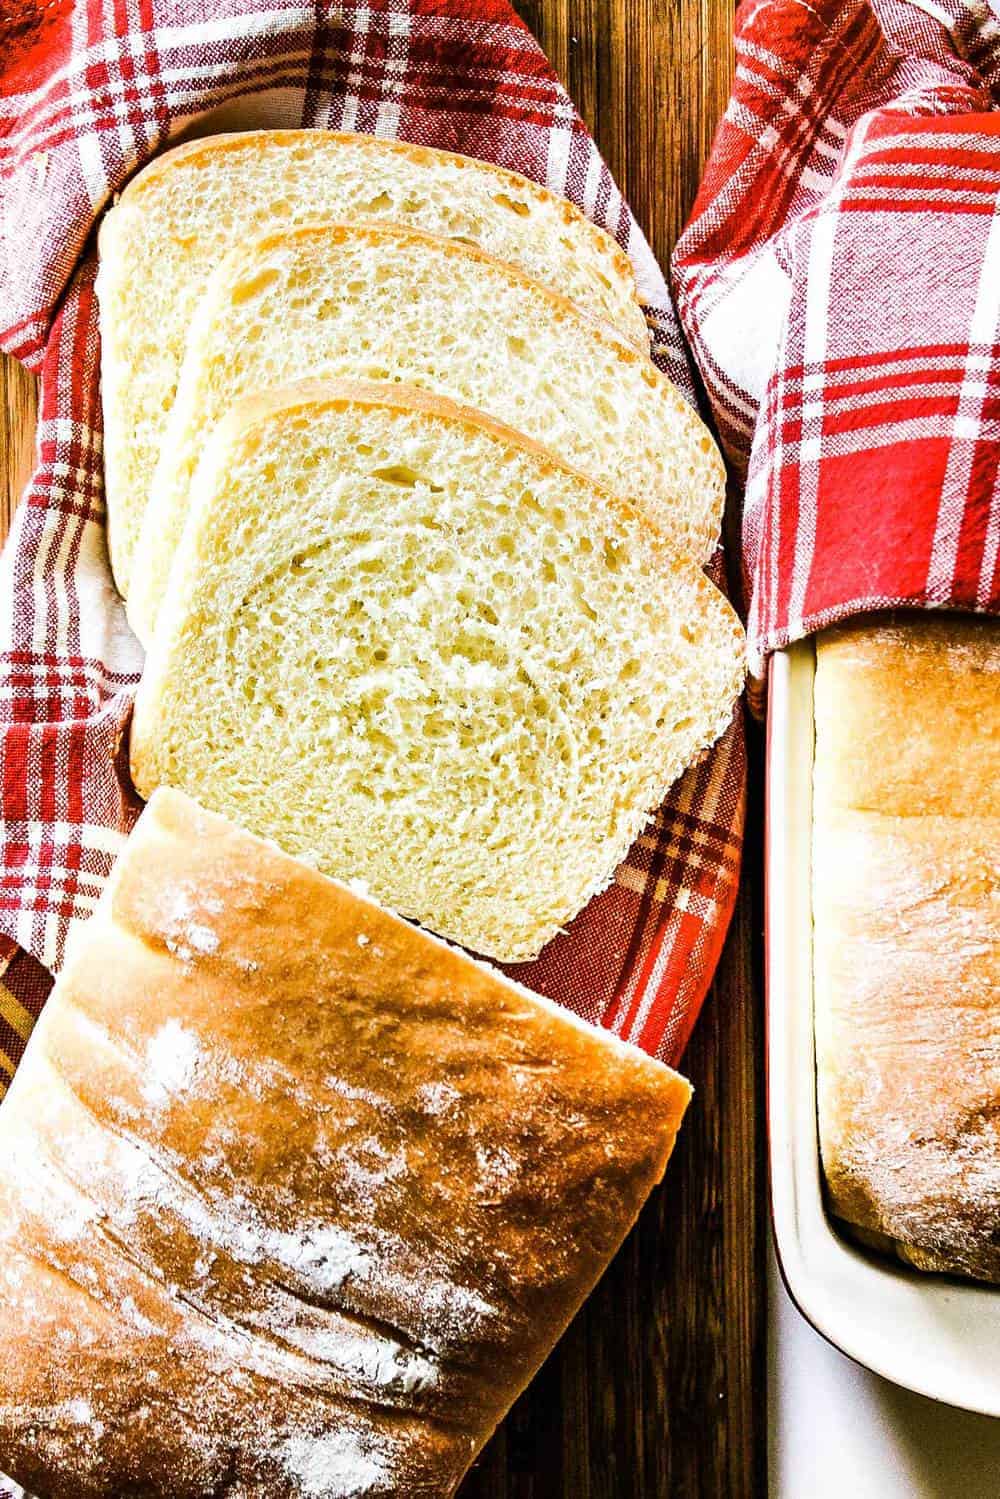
[
  {"x": 181, "y": 214},
  {"x": 294, "y": 1199},
  {"x": 906, "y": 899},
  {"x": 377, "y": 302},
  {"x": 408, "y": 644}
]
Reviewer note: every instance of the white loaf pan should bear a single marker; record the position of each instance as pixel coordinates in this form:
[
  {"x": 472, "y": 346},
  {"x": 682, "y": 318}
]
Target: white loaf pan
[{"x": 930, "y": 1333}]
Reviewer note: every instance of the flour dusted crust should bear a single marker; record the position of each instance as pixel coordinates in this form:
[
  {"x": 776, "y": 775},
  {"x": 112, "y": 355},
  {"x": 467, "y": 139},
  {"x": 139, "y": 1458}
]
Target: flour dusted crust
[
  {"x": 907, "y": 935},
  {"x": 294, "y": 1199}
]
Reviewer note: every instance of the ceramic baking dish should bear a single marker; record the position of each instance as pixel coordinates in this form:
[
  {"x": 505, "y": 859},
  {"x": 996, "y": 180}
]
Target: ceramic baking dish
[{"x": 929, "y": 1333}]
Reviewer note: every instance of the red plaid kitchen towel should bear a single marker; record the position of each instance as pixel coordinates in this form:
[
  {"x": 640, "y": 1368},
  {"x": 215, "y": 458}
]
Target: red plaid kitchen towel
[
  {"x": 839, "y": 283},
  {"x": 88, "y": 92}
]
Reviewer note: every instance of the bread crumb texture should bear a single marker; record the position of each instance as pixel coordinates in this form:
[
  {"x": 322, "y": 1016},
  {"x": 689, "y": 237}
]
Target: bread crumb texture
[
  {"x": 378, "y": 302},
  {"x": 415, "y": 650},
  {"x": 179, "y": 217}
]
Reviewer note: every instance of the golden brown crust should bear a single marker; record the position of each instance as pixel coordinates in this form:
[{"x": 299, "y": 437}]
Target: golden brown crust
[
  {"x": 907, "y": 934},
  {"x": 191, "y": 152},
  {"x": 916, "y": 697},
  {"x": 294, "y": 1198},
  {"x": 871, "y": 1238}
]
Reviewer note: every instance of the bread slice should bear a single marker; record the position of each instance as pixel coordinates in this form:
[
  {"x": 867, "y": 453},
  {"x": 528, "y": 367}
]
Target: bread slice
[
  {"x": 374, "y": 301},
  {"x": 409, "y": 645},
  {"x": 179, "y": 216}
]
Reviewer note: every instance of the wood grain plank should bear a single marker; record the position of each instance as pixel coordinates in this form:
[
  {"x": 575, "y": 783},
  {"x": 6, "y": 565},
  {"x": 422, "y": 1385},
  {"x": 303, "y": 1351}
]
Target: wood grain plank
[
  {"x": 18, "y": 404},
  {"x": 651, "y": 79}
]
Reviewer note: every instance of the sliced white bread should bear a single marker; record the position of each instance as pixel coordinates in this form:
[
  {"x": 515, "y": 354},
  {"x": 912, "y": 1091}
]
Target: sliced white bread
[
  {"x": 179, "y": 216},
  {"x": 378, "y": 302},
  {"x": 410, "y": 646}
]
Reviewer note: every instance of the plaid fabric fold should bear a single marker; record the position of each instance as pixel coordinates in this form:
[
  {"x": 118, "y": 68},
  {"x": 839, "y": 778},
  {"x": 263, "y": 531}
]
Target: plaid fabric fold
[
  {"x": 839, "y": 283},
  {"x": 88, "y": 92}
]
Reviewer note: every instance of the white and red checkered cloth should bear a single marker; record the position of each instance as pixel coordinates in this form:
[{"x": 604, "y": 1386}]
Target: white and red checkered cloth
[
  {"x": 839, "y": 283},
  {"x": 88, "y": 92}
]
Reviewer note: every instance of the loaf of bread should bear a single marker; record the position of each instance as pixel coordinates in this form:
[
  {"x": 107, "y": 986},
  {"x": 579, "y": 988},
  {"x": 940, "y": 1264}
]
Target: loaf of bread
[
  {"x": 906, "y": 893},
  {"x": 179, "y": 216},
  {"x": 294, "y": 1199},
  {"x": 377, "y": 302},
  {"x": 410, "y": 646}
]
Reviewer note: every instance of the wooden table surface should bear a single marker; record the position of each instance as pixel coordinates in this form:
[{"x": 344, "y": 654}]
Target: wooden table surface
[{"x": 658, "y": 1388}]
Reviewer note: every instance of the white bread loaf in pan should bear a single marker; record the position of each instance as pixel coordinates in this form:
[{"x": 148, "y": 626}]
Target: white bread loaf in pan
[
  {"x": 378, "y": 302},
  {"x": 412, "y": 647},
  {"x": 294, "y": 1199},
  {"x": 906, "y": 897},
  {"x": 180, "y": 215}
]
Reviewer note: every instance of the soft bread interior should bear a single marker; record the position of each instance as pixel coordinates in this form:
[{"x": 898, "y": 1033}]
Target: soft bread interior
[
  {"x": 178, "y": 218},
  {"x": 379, "y": 302},
  {"x": 413, "y": 648}
]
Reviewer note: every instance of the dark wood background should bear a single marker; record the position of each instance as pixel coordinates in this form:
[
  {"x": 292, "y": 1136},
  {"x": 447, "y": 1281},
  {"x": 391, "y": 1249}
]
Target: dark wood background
[{"x": 658, "y": 1388}]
